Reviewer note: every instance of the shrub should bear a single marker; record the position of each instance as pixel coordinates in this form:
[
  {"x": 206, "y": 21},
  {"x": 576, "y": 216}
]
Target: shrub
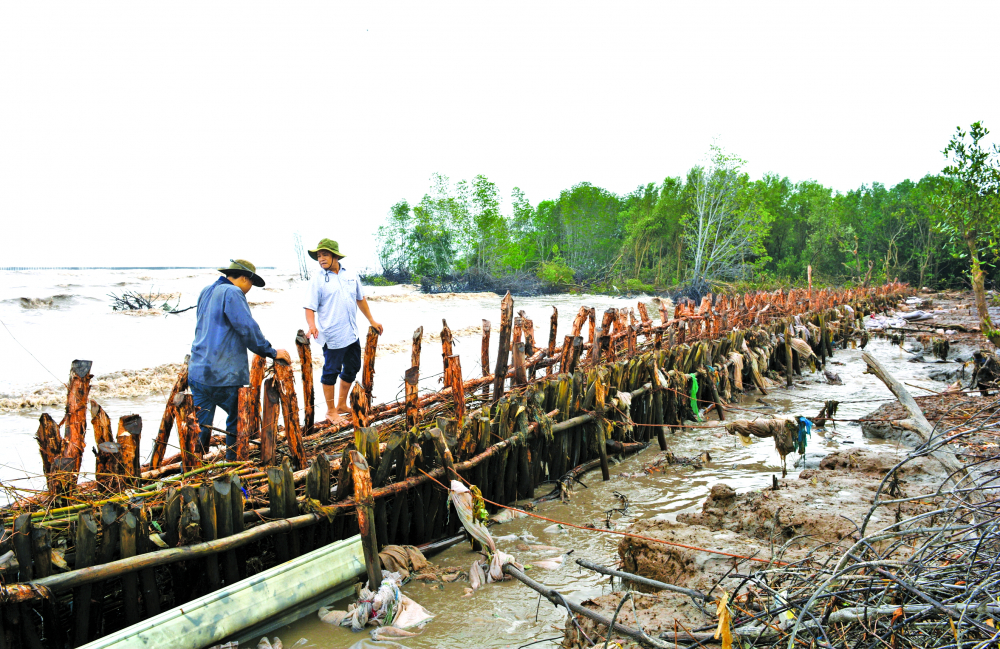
[{"x": 555, "y": 272}]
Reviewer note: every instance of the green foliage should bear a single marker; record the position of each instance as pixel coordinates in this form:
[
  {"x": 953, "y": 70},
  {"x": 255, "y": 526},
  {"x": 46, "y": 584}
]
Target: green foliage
[
  {"x": 555, "y": 272},
  {"x": 713, "y": 225}
]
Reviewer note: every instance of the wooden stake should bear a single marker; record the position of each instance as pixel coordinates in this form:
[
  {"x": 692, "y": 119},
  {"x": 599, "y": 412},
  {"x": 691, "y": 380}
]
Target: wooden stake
[
  {"x": 130, "y": 581},
  {"x": 418, "y": 337},
  {"x": 360, "y": 407},
  {"x": 106, "y": 467},
  {"x": 129, "y": 437},
  {"x": 506, "y": 314},
  {"x": 222, "y": 486},
  {"x": 169, "y": 414},
  {"x": 86, "y": 552},
  {"x": 188, "y": 432},
  {"x": 290, "y": 409},
  {"x": 308, "y": 392},
  {"x": 257, "y": 366},
  {"x": 411, "y": 386},
  {"x": 446, "y": 340},
  {"x": 368, "y": 366},
  {"x": 553, "y": 324},
  {"x": 365, "y": 505},
  {"x": 277, "y": 500},
  {"x": 520, "y": 376},
  {"x": 453, "y": 378},
  {"x": 50, "y": 446},
  {"x": 529, "y": 342},
  {"x": 269, "y": 422},
  {"x": 484, "y": 357},
  {"x": 76, "y": 412},
  {"x": 244, "y": 424}
]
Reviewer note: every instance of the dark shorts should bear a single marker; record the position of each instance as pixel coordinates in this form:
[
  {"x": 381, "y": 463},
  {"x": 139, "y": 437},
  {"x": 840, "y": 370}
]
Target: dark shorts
[{"x": 345, "y": 361}]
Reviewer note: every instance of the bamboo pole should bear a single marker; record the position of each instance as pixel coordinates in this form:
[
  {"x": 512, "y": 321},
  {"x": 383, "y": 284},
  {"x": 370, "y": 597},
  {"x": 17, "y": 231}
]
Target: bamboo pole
[
  {"x": 169, "y": 414},
  {"x": 500, "y": 373},
  {"x": 308, "y": 391},
  {"x": 269, "y": 422},
  {"x": 364, "y": 503},
  {"x": 290, "y": 409},
  {"x": 484, "y": 357}
]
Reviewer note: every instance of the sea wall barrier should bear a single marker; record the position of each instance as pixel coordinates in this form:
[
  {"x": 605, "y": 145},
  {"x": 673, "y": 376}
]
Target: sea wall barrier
[{"x": 85, "y": 558}]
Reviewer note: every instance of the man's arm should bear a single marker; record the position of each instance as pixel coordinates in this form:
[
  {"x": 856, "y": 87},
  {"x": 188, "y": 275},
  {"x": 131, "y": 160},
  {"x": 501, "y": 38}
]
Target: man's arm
[
  {"x": 363, "y": 305},
  {"x": 237, "y": 312},
  {"x": 311, "y": 321}
]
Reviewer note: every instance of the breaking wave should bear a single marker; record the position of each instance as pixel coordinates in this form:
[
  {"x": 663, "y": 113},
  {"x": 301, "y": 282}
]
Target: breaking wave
[{"x": 115, "y": 385}]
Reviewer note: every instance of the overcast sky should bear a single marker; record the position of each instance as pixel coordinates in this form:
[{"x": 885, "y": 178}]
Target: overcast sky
[{"x": 188, "y": 133}]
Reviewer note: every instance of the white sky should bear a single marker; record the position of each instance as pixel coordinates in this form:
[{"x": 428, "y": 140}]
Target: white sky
[{"x": 136, "y": 133}]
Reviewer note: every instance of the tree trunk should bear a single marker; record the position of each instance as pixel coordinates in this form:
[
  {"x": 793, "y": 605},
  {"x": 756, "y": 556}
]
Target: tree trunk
[{"x": 979, "y": 289}]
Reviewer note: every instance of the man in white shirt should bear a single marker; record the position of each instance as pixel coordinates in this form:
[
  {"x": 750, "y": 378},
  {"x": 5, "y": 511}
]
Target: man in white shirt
[{"x": 335, "y": 295}]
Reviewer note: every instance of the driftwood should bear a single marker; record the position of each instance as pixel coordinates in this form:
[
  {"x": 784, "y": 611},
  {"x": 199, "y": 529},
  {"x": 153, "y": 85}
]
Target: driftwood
[{"x": 916, "y": 423}]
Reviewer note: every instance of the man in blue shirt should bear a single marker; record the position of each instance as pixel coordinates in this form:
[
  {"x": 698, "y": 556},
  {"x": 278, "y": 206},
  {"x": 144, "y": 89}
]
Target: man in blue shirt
[
  {"x": 225, "y": 331},
  {"x": 335, "y": 296}
]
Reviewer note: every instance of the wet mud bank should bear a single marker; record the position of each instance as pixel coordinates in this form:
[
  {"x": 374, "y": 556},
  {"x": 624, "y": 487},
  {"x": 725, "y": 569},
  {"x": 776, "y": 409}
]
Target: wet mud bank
[{"x": 860, "y": 495}]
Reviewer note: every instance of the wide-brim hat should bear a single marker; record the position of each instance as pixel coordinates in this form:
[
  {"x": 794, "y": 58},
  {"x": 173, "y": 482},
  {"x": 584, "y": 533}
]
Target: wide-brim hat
[
  {"x": 330, "y": 246},
  {"x": 244, "y": 268}
]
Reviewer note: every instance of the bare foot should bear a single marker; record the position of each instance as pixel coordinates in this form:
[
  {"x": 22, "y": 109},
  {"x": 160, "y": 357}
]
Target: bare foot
[{"x": 332, "y": 419}]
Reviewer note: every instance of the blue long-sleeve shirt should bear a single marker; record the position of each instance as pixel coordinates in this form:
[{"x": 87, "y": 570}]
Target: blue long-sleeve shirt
[{"x": 224, "y": 333}]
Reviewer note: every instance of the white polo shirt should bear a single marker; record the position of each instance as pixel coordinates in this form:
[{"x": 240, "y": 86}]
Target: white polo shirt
[{"x": 334, "y": 297}]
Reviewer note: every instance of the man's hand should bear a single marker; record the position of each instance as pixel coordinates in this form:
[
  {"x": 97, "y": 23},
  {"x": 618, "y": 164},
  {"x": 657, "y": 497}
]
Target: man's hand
[
  {"x": 314, "y": 332},
  {"x": 380, "y": 328},
  {"x": 283, "y": 356}
]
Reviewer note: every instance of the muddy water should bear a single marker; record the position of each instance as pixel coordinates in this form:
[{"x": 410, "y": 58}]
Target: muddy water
[{"x": 509, "y": 614}]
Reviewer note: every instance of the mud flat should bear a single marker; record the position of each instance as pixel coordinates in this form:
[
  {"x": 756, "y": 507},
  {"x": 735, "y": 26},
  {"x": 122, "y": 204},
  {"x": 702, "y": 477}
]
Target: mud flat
[{"x": 863, "y": 547}]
